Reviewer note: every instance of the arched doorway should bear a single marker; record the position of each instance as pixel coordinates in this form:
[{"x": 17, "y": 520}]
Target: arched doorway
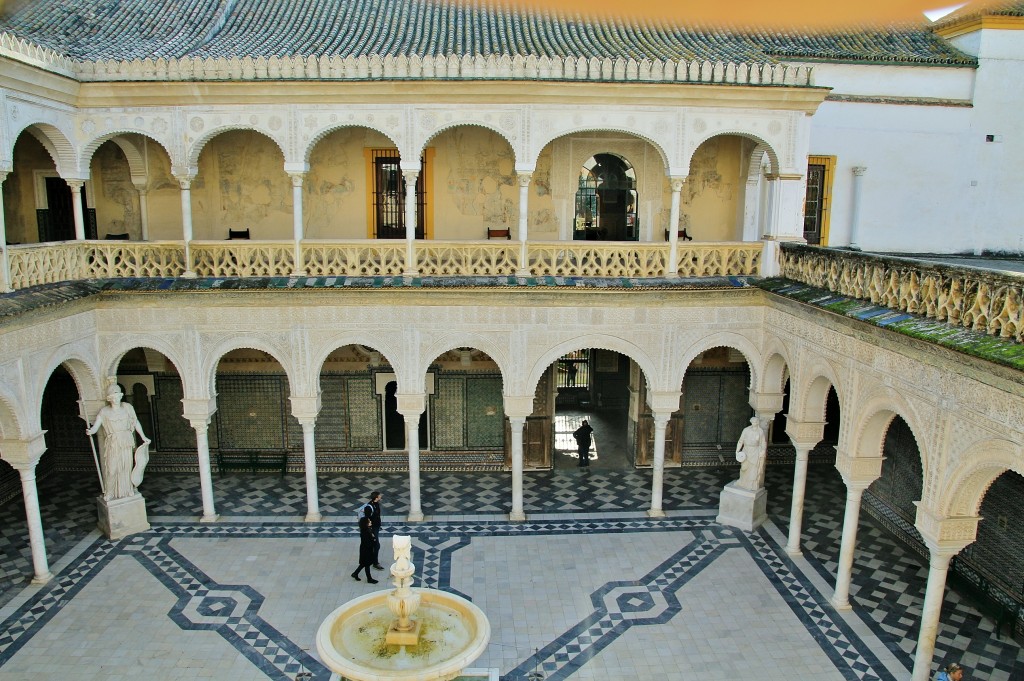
[{"x": 606, "y": 200}]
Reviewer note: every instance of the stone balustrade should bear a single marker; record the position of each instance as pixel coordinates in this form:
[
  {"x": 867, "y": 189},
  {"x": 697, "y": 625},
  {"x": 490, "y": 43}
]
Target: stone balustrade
[
  {"x": 36, "y": 264},
  {"x": 977, "y": 299}
]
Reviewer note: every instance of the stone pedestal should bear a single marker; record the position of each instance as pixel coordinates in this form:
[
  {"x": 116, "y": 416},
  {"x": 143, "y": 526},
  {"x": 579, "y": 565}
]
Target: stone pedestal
[
  {"x": 122, "y": 517},
  {"x": 742, "y": 508}
]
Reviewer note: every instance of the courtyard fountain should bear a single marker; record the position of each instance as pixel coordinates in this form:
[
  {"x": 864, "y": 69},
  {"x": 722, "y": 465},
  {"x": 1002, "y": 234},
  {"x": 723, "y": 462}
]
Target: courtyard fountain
[{"x": 403, "y": 634}]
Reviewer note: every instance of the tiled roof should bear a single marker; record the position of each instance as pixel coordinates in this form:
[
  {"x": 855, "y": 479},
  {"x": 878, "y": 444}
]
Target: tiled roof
[{"x": 90, "y": 30}]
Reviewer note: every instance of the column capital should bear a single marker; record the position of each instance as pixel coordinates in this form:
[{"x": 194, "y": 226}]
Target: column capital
[
  {"x": 524, "y": 179},
  {"x": 859, "y": 170},
  {"x": 410, "y": 175},
  {"x": 411, "y": 404},
  {"x": 664, "y": 401},
  {"x": 517, "y": 406},
  {"x": 764, "y": 403},
  {"x": 199, "y": 410},
  {"x": 804, "y": 433},
  {"x": 297, "y": 178},
  {"x": 185, "y": 181},
  {"x": 858, "y": 472},
  {"x": 305, "y": 407},
  {"x": 945, "y": 536},
  {"x": 75, "y": 184},
  {"x": 24, "y": 453},
  {"x": 677, "y": 182}
]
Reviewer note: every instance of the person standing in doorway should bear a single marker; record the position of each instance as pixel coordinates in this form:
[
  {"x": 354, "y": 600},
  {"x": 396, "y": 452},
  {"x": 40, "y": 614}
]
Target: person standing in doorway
[
  {"x": 374, "y": 505},
  {"x": 583, "y": 436},
  {"x": 368, "y": 545}
]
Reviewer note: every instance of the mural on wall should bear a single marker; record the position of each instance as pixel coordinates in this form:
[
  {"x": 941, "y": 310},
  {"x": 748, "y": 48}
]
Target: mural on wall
[
  {"x": 117, "y": 199},
  {"x": 706, "y": 175},
  {"x": 480, "y": 176},
  {"x": 331, "y": 182}
]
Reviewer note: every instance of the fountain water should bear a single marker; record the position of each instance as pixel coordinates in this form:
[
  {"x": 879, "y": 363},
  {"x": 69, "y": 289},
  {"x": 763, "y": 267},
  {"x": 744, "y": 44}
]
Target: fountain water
[{"x": 403, "y": 634}]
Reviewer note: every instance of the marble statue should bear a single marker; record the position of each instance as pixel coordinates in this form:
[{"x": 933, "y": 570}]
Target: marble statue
[
  {"x": 751, "y": 451},
  {"x": 123, "y": 463}
]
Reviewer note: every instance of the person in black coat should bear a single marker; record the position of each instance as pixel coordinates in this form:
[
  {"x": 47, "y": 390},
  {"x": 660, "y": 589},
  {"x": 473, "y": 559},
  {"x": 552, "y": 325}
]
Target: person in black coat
[
  {"x": 583, "y": 437},
  {"x": 374, "y": 504},
  {"x": 367, "y": 544}
]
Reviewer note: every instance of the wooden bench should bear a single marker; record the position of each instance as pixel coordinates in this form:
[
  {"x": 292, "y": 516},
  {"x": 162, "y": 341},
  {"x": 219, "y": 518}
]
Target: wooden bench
[{"x": 253, "y": 461}]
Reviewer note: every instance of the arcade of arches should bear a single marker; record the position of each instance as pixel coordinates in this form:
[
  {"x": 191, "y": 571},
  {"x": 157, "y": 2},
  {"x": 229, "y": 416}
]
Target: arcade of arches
[{"x": 337, "y": 380}]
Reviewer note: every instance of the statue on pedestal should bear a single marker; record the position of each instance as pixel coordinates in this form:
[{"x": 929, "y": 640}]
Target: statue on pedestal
[
  {"x": 751, "y": 452},
  {"x": 123, "y": 463}
]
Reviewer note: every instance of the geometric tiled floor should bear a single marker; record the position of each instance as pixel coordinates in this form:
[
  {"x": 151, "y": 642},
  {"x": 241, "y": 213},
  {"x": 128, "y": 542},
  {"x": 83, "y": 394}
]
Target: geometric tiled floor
[{"x": 588, "y": 589}]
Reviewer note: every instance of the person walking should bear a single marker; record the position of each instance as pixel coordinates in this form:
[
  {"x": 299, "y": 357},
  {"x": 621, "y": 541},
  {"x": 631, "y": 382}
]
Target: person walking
[
  {"x": 583, "y": 438},
  {"x": 367, "y": 545},
  {"x": 374, "y": 505}
]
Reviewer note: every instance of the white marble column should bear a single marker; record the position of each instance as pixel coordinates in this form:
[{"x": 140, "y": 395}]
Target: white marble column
[
  {"x": 517, "y": 424},
  {"x": 851, "y": 518},
  {"x": 297, "y": 178},
  {"x": 412, "y": 440},
  {"x": 672, "y": 268},
  {"x": 202, "y": 427},
  {"x": 855, "y": 201},
  {"x": 76, "y": 207},
  {"x": 144, "y": 211},
  {"x": 658, "y": 473},
  {"x": 185, "y": 182},
  {"x": 524, "y": 201},
  {"x": 796, "y": 510},
  {"x": 935, "y": 590},
  {"x": 5, "y": 265},
  {"x": 36, "y": 539},
  {"x": 313, "y": 514},
  {"x": 24, "y": 455},
  {"x": 410, "y": 222}
]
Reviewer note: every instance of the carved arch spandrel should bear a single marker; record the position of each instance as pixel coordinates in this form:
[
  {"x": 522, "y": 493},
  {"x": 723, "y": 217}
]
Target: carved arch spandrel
[
  {"x": 964, "y": 486},
  {"x": 549, "y": 356},
  {"x": 275, "y": 345},
  {"x": 435, "y": 347}
]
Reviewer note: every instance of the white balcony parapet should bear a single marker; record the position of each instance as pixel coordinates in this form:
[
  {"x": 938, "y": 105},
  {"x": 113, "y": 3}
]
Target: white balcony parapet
[
  {"x": 981, "y": 300},
  {"x": 37, "y": 264}
]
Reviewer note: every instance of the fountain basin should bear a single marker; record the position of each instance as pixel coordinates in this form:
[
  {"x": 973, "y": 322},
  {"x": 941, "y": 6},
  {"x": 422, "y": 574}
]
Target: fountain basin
[{"x": 453, "y": 633}]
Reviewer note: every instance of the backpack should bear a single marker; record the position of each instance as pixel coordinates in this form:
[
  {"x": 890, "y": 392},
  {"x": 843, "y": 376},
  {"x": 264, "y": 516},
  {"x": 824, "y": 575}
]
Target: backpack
[{"x": 360, "y": 512}]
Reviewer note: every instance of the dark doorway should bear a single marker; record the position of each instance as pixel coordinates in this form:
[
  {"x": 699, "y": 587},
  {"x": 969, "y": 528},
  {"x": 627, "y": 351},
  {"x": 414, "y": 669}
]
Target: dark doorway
[
  {"x": 394, "y": 422},
  {"x": 57, "y": 221},
  {"x": 606, "y": 200}
]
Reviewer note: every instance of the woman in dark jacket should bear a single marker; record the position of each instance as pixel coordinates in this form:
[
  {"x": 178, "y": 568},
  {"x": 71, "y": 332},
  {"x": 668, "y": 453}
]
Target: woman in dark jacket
[{"x": 367, "y": 545}]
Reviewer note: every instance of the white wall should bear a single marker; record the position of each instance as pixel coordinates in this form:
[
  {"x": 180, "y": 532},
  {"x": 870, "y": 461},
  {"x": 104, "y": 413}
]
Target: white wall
[{"x": 933, "y": 184}]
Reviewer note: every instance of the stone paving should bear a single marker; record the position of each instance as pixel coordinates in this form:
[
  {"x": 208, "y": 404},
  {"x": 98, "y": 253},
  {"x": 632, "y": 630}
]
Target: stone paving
[{"x": 589, "y": 588}]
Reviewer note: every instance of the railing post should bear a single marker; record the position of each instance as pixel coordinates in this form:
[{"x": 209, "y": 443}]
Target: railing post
[
  {"x": 673, "y": 228},
  {"x": 299, "y": 267},
  {"x": 858, "y": 179},
  {"x": 185, "y": 182},
  {"x": 410, "y": 221},
  {"x": 76, "y": 207},
  {"x": 523, "y": 270}
]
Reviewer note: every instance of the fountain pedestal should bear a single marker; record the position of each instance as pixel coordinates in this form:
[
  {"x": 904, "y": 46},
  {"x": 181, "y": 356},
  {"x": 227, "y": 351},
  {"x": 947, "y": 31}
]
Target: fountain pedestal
[{"x": 403, "y": 634}]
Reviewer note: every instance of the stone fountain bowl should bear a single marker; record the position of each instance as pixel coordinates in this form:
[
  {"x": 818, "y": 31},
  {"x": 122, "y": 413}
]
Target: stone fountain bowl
[{"x": 453, "y": 633}]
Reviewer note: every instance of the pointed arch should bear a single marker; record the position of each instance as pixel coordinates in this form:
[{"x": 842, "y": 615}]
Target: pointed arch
[
  {"x": 965, "y": 486},
  {"x": 589, "y": 341},
  {"x": 443, "y": 344},
  {"x": 723, "y": 339}
]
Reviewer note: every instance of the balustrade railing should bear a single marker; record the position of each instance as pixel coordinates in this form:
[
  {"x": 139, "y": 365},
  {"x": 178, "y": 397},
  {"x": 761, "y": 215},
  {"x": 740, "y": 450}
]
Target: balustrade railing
[
  {"x": 981, "y": 300},
  {"x": 35, "y": 264}
]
